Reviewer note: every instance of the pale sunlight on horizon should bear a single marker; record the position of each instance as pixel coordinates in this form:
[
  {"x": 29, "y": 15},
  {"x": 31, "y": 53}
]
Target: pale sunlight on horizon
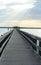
[{"x": 22, "y": 23}]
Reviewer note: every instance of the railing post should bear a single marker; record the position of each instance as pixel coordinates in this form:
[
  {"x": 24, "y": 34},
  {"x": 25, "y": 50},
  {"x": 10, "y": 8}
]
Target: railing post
[{"x": 37, "y": 46}]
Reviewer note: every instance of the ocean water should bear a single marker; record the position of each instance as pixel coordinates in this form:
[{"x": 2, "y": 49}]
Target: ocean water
[
  {"x": 36, "y": 32},
  {"x": 2, "y": 31}
]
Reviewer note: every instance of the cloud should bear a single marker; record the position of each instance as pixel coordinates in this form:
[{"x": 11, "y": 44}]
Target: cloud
[
  {"x": 32, "y": 13},
  {"x": 16, "y": 1},
  {"x": 16, "y": 4},
  {"x": 5, "y": 14},
  {"x": 13, "y": 9},
  {"x": 36, "y": 11}
]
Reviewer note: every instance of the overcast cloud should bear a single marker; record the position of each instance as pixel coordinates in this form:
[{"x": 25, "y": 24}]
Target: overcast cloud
[{"x": 20, "y": 9}]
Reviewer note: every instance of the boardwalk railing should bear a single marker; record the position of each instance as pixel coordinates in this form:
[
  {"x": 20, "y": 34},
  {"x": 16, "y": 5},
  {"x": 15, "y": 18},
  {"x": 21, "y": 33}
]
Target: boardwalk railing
[
  {"x": 34, "y": 41},
  {"x": 3, "y": 41}
]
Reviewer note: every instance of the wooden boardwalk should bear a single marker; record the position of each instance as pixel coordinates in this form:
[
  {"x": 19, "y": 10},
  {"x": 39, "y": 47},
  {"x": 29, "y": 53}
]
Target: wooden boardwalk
[{"x": 18, "y": 52}]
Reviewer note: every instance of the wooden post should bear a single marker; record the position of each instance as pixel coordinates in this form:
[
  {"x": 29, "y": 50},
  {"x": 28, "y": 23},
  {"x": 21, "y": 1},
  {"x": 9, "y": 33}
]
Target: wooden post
[{"x": 37, "y": 46}]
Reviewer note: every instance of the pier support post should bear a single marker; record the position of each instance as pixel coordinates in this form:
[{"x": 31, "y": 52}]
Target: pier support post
[{"x": 37, "y": 46}]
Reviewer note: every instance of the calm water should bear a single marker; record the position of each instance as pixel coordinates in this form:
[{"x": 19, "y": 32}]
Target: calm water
[
  {"x": 2, "y": 31},
  {"x": 36, "y": 32}
]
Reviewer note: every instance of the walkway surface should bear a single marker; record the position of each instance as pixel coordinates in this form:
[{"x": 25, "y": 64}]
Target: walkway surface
[{"x": 18, "y": 52}]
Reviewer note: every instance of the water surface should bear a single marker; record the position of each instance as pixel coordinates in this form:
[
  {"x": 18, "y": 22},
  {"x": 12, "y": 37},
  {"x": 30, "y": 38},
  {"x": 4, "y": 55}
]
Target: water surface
[
  {"x": 3, "y": 31},
  {"x": 36, "y": 32}
]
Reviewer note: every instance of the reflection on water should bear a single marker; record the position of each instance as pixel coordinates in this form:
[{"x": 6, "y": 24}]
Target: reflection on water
[{"x": 36, "y": 32}]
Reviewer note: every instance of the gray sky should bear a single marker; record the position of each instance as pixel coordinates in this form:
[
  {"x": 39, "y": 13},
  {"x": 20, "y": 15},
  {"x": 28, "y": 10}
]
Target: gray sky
[{"x": 20, "y": 9}]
